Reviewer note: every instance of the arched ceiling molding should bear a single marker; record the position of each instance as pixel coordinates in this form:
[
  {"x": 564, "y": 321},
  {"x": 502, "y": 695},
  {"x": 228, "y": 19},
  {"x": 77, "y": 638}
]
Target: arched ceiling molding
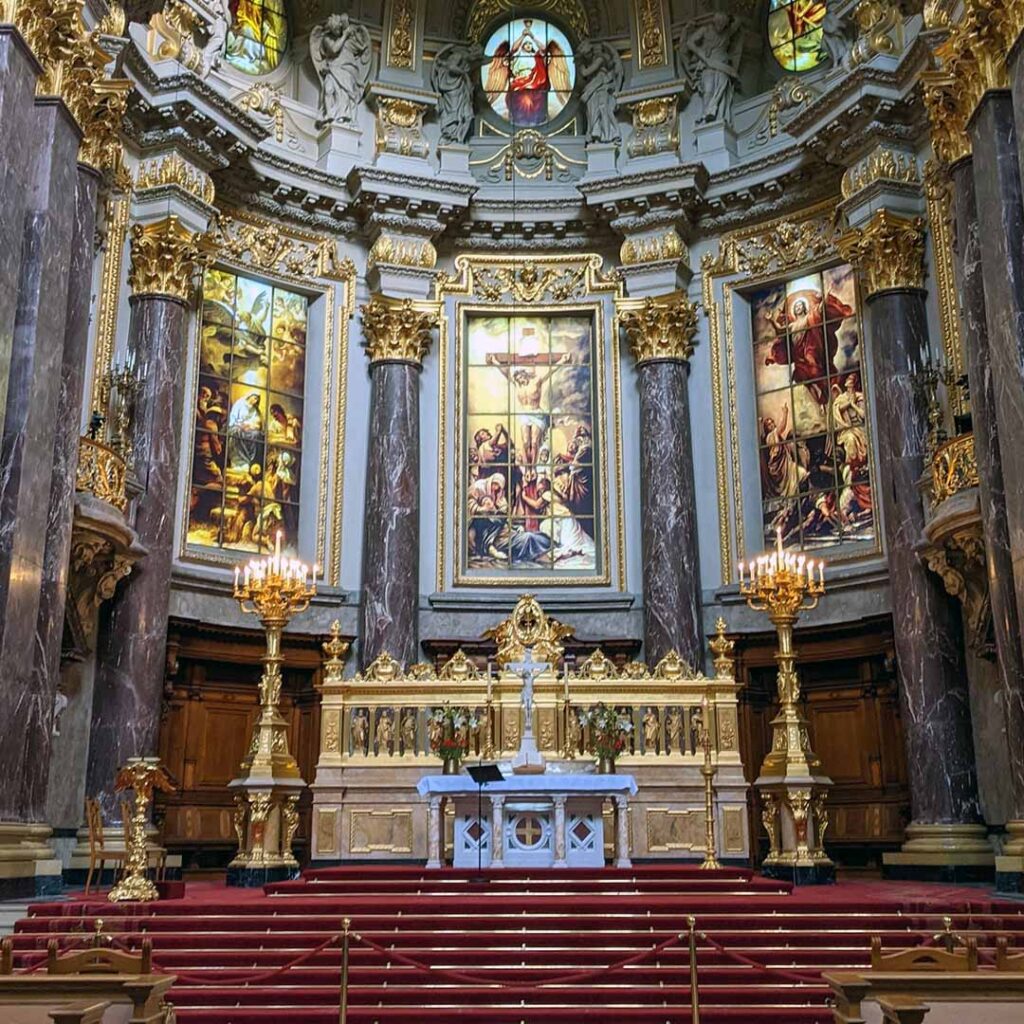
[{"x": 586, "y": 18}]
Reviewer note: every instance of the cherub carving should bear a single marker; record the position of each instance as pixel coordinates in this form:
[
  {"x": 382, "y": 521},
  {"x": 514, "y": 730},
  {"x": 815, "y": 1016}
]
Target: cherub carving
[
  {"x": 341, "y": 51},
  {"x": 709, "y": 57}
]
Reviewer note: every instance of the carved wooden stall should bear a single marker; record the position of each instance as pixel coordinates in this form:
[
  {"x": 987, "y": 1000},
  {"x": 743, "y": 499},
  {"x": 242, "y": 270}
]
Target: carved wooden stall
[{"x": 375, "y": 741}]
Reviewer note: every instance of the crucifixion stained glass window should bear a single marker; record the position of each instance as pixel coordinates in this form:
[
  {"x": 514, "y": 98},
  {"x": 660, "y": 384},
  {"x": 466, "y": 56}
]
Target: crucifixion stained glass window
[{"x": 812, "y": 411}]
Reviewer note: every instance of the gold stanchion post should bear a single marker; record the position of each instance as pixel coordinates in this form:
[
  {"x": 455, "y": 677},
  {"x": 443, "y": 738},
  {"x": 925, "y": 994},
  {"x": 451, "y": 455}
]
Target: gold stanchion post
[
  {"x": 143, "y": 775},
  {"x": 346, "y": 926},
  {"x": 707, "y": 770},
  {"x": 691, "y": 923},
  {"x": 792, "y": 783},
  {"x": 267, "y": 791}
]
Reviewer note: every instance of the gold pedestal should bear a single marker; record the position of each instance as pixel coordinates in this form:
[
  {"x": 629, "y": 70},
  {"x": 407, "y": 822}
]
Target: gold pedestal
[
  {"x": 792, "y": 783},
  {"x": 267, "y": 790}
]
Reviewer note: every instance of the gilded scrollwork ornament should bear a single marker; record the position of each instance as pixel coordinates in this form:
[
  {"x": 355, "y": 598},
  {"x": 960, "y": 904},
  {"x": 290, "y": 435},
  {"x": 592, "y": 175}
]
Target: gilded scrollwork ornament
[
  {"x": 888, "y": 251},
  {"x": 659, "y": 327},
  {"x": 399, "y": 127},
  {"x": 398, "y": 330}
]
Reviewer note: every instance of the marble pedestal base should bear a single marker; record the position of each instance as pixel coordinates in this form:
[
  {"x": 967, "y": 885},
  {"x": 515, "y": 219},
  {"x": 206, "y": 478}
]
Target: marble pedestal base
[
  {"x": 942, "y": 853},
  {"x": 601, "y": 159},
  {"x": 27, "y": 864},
  {"x": 338, "y": 148},
  {"x": 266, "y": 818},
  {"x": 716, "y": 145},
  {"x": 454, "y": 160},
  {"x": 809, "y": 874},
  {"x": 793, "y": 814}
]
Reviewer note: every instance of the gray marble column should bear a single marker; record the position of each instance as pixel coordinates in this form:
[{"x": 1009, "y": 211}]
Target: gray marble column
[
  {"x": 18, "y": 71},
  {"x": 130, "y": 648},
  {"x": 927, "y": 629},
  {"x": 397, "y": 338},
  {"x": 987, "y": 448},
  {"x": 26, "y": 449},
  {"x": 668, "y": 514},
  {"x": 997, "y": 185},
  {"x": 660, "y": 330}
]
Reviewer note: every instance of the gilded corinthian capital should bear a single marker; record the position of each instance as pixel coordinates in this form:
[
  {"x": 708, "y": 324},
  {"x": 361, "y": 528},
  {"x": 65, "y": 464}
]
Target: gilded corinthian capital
[
  {"x": 398, "y": 330},
  {"x": 659, "y": 327},
  {"x": 165, "y": 257},
  {"x": 888, "y": 251}
]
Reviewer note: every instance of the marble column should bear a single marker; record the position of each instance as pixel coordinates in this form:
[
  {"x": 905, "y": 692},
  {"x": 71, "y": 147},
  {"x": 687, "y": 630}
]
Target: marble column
[
  {"x": 130, "y": 648},
  {"x": 997, "y": 186},
  {"x": 497, "y": 831},
  {"x": 660, "y": 332},
  {"x": 397, "y": 338},
  {"x": 944, "y": 833},
  {"x": 988, "y": 453},
  {"x": 26, "y": 452}
]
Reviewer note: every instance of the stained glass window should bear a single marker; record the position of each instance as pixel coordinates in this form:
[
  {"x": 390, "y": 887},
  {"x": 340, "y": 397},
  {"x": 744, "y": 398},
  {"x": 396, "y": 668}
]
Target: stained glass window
[
  {"x": 247, "y": 449},
  {"x": 528, "y": 71},
  {"x": 812, "y": 411},
  {"x": 795, "y": 33},
  {"x": 258, "y": 35},
  {"x": 529, "y": 442}
]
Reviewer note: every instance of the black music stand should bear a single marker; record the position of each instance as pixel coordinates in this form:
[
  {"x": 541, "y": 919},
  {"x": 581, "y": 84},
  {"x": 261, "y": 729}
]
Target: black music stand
[{"x": 481, "y": 774}]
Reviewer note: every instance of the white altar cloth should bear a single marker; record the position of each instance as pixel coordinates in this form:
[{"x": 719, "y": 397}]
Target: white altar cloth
[{"x": 552, "y": 819}]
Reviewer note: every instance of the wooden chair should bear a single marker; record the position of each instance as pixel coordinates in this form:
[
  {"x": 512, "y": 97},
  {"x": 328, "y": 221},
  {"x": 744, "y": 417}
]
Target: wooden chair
[
  {"x": 1005, "y": 960},
  {"x": 924, "y": 958},
  {"x": 97, "y": 854}
]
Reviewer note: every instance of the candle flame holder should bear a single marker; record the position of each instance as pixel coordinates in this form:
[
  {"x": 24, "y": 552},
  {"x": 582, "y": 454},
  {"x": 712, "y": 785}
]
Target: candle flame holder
[
  {"x": 274, "y": 588},
  {"x": 792, "y": 783}
]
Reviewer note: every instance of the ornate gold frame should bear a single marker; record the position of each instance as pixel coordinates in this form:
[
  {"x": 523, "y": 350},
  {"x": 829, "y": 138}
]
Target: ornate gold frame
[
  {"x": 107, "y": 307},
  {"x": 576, "y": 284},
  {"x": 749, "y": 258},
  {"x": 281, "y": 254}
]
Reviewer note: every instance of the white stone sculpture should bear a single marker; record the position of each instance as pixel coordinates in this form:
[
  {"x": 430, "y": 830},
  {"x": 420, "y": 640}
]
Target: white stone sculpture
[
  {"x": 341, "y": 51},
  {"x": 836, "y": 37},
  {"x": 452, "y": 78},
  {"x": 710, "y": 58},
  {"x": 212, "y": 53},
  {"x": 599, "y": 65}
]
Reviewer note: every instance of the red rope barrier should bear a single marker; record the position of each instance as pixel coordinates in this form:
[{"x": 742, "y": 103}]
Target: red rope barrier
[
  {"x": 475, "y": 979},
  {"x": 797, "y": 976}
]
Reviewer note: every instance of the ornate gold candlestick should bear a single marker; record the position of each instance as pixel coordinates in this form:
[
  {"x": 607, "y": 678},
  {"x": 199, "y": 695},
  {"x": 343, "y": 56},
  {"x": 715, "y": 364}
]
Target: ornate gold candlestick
[
  {"x": 792, "y": 783},
  {"x": 143, "y": 775},
  {"x": 707, "y": 771},
  {"x": 267, "y": 791}
]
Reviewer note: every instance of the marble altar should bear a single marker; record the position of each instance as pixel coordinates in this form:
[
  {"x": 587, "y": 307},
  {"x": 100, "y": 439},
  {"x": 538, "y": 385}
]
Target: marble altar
[{"x": 540, "y": 821}]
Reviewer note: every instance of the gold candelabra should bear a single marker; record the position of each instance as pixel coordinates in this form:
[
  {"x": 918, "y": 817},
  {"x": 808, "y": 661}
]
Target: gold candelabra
[
  {"x": 707, "y": 771},
  {"x": 143, "y": 775},
  {"x": 274, "y": 588},
  {"x": 792, "y": 782}
]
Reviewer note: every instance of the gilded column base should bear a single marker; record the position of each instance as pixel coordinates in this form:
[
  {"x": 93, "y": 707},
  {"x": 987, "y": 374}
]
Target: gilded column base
[
  {"x": 1010, "y": 863},
  {"x": 794, "y": 816},
  {"x": 27, "y": 864},
  {"x": 948, "y": 853},
  {"x": 266, "y": 819}
]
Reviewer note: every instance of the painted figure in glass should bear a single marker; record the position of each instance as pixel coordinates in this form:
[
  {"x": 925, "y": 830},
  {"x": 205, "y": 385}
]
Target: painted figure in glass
[
  {"x": 812, "y": 411},
  {"x": 258, "y": 35},
  {"x": 531, "y": 496}
]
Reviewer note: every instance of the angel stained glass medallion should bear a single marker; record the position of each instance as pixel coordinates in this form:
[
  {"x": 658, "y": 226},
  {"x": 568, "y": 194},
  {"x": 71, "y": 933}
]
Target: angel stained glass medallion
[
  {"x": 529, "y": 72},
  {"x": 258, "y": 35}
]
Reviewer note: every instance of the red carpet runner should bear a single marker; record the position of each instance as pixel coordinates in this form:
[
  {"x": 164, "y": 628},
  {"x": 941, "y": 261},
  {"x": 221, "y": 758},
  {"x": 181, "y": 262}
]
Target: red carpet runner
[{"x": 488, "y": 946}]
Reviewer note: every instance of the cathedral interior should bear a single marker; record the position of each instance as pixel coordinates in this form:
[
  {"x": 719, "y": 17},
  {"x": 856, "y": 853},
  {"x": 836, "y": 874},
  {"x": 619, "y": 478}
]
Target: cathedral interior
[{"x": 613, "y": 392}]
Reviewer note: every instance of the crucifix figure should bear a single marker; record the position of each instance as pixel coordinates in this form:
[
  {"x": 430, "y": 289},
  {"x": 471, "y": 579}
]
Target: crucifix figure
[{"x": 528, "y": 759}]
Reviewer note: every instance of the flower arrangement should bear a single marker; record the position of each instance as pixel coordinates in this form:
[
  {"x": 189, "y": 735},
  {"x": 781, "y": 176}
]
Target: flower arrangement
[
  {"x": 449, "y": 730},
  {"x": 609, "y": 730}
]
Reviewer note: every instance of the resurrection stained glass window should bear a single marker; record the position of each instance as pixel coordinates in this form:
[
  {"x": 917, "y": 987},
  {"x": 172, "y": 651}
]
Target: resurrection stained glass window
[
  {"x": 528, "y": 71},
  {"x": 258, "y": 35},
  {"x": 247, "y": 444},
  {"x": 530, "y": 446},
  {"x": 795, "y": 33},
  {"x": 812, "y": 412}
]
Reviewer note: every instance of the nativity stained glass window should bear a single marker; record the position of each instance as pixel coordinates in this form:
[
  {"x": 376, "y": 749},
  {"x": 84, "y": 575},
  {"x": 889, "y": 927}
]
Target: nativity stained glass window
[
  {"x": 530, "y": 447},
  {"x": 247, "y": 438},
  {"x": 812, "y": 410},
  {"x": 258, "y": 35},
  {"x": 795, "y": 33},
  {"x": 528, "y": 72}
]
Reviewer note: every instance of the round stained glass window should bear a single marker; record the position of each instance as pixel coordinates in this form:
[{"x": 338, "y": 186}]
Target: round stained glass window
[
  {"x": 258, "y": 35},
  {"x": 795, "y": 33},
  {"x": 529, "y": 71}
]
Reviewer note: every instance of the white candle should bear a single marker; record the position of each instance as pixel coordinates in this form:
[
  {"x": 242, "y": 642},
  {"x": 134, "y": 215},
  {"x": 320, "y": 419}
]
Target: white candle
[
  {"x": 778, "y": 540},
  {"x": 247, "y": 577},
  {"x": 810, "y": 570},
  {"x": 238, "y": 573},
  {"x": 315, "y": 569},
  {"x": 821, "y": 573},
  {"x": 739, "y": 566}
]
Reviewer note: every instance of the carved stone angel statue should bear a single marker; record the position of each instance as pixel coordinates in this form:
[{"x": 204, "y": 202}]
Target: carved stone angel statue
[
  {"x": 452, "y": 78},
  {"x": 341, "y": 51},
  {"x": 836, "y": 37},
  {"x": 212, "y": 53},
  {"x": 710, "y": 59},
  {"x": 599, "y": 65}
]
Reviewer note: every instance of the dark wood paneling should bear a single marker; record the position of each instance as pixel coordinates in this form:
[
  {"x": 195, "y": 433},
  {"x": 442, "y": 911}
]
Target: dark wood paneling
[{"x": 849, "y": 697}]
